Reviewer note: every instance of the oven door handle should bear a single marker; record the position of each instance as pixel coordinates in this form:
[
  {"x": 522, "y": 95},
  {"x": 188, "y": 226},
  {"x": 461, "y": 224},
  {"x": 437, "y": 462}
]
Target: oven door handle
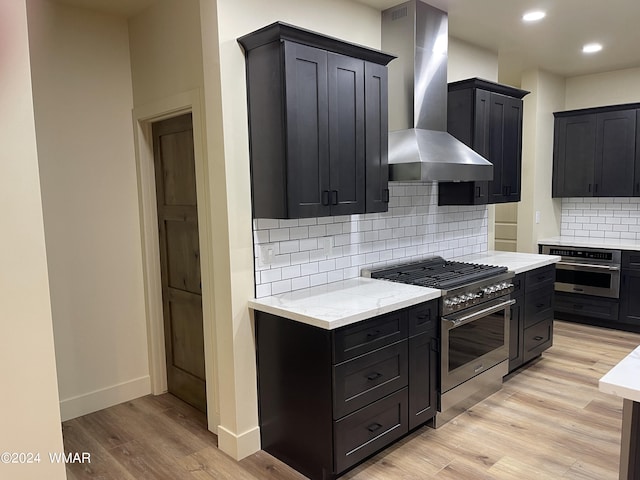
[
  {"x": 589, "y": 265},
  {"x": 459, "y": 321}
]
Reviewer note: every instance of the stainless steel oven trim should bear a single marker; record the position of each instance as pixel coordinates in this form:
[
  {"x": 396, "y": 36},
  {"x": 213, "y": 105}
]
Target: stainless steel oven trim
[
  {"x": 612, "y": 292},
  {"x": 458, "y": 322},
  {"x": 451, "y": 379}
]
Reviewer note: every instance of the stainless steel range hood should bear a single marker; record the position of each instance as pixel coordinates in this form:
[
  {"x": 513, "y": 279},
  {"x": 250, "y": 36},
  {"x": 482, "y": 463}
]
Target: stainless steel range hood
[{"x": 420, "y": 149}]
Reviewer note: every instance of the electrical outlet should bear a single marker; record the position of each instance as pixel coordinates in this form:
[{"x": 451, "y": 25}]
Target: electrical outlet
[
  {"x": 537, "y": 216},
  {"x": 266, "y": 254}
]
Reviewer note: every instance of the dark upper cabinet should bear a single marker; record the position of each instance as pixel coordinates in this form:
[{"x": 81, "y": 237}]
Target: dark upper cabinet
[
  {"x": 317, "y": 124},
  {"x": 574, "y": 156},
  {"x": 487, "y": 117},
  {"x": 595, "y": 152}
]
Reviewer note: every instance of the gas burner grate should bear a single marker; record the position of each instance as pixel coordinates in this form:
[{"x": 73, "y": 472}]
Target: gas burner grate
[{"x": 439, "y": 273}]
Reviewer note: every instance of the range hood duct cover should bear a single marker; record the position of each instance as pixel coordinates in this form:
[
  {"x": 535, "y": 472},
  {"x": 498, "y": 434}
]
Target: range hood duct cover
[{"x": 420, "y": 149}]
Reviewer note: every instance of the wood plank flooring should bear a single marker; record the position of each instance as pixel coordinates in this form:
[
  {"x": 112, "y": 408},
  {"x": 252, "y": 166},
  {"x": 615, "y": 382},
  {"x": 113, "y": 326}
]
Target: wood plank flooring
[{"x": 549, "y": 421}]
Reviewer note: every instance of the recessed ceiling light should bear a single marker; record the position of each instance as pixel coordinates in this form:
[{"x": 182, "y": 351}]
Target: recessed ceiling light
[
  {"x": 591, "y": 48},
  {"x": 533, "y": 16}
]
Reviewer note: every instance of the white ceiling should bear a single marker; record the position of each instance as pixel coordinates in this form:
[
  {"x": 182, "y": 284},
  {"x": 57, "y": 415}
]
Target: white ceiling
[{"x": 553, "y": 44}]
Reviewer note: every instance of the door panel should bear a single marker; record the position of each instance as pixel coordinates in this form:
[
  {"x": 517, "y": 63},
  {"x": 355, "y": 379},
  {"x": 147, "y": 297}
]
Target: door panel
[
  {"x": 308, "y": 134},
  {"x": 574, "y": 156},
  {"x": 180, "y": 259},
  {"x": 346, "y": 133},
  {"x": 615, "y": 152}
]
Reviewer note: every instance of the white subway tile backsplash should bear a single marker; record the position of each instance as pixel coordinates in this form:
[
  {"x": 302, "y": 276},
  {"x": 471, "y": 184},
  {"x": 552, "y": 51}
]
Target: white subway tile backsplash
[
  {"x": 601, "y": 217},
  {"x": 414, "y": 227}
]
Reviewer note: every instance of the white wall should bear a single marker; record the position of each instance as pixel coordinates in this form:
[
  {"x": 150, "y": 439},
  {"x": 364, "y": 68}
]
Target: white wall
[
  {"x": 228, "y": 149},
  {"x": 546, "y": 97},
  {"x": 467, "y": 61},
  {"x": 83, "y": 101},
  {"x": 30, "y": 420},
  {"x": 608, "y": 88},
  {"x": 166, "y": 50}
]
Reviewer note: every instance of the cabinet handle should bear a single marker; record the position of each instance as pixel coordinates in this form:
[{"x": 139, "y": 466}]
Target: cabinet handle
[
  {"x": 325, "y": 197},
  {"x": 538, "y": 338},
  {"x": 595, "y": 188},
  {"x": 371, "y": 335},
  {"x": 435, "y": 345},
  {"x": 385, "y": 195},
  {"x": 589, "y": 188},
  {"x": 374, "y": 376},
  {"x": 539, "y": 305},
  {"x": 478, "y": 193},
  {"x": 374, "y": 426},
  {"x": 334, "y": 197}
]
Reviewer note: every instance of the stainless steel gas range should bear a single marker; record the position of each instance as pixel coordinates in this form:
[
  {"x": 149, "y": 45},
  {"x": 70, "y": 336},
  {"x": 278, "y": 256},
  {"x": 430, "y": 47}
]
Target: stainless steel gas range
[{"x": 474, "y": 326}]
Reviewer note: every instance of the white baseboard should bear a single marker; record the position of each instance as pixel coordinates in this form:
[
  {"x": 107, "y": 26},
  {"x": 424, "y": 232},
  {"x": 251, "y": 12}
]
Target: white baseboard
[
  {"x": 106, "y": 397},
  {"x": 239, "y": 446}
]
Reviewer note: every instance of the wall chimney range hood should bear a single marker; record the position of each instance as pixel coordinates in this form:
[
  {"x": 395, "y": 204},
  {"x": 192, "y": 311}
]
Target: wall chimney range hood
[{"x": 420, "y": 149}]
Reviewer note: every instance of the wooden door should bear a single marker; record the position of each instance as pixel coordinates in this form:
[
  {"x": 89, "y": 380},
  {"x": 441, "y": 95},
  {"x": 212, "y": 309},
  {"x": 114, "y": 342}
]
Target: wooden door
[{"x": 180, "y": 258}]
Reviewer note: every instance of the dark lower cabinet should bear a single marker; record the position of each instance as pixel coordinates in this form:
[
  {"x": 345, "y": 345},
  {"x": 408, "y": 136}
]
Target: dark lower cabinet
[
  {"x": 516, "y": 327},
  {"x": 328, "y": 399},
  {"x": 630, "y": 290},
  {"x": 531, "y": 331},
  {"x": 586, "y": 308}
]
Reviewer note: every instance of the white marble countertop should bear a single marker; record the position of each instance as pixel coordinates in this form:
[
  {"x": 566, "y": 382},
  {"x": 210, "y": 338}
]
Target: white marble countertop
[
  {"x": 623, "y": 380},
  {"x": 515, "y": 261},
  {"x": 343, "y": 303},
  {"x": 614, "y": 243}
]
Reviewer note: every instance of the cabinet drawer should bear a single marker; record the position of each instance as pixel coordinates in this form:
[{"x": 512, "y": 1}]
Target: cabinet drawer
[
  {"x": 567, "y": 305},
  {"x": 631, "y": 260},
  {"x": 538, "y": 305},
  {"x": 369, "y": 429},
  {"x": 537, "y": 339},
  {"x": 538, "y": 277},
  {"x": 368, "y": 335},
  {"x": 423, "y": 318},
  {"x": 367, "y": 378}
]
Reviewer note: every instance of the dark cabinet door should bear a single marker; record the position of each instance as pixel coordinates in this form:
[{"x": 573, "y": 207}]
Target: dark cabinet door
[
  {"x": 307, "y": 131},
  {"x": 574, "y": 156},
  {"x": 615, "y": 154},
  {"x": 505, "y": 146},
  {"x": 481, "y": 123},
  {"x": 636, "y": 186},
  {"x": 423, "y": 371},
  {"x": 376, "y": 137},
  {"x": 516, "y": 335},
  {"x": 629, "y": 298}
]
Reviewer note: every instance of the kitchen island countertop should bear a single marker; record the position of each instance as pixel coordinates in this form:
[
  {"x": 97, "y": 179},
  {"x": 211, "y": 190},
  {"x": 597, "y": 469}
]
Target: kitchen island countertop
[{"x": 623, "y": 380}]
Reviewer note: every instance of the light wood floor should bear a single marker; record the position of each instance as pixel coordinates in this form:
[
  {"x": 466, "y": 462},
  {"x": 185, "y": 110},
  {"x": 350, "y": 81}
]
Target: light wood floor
[{"x": 548, "y": 422}]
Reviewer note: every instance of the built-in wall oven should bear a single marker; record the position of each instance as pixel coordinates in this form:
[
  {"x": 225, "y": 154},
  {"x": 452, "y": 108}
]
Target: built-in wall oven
[{"x": 587, "y": 271}]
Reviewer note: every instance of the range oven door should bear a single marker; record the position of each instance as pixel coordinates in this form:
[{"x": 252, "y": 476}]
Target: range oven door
[
  {"x": 474, "y": 340},
  {"x": 588, "y": 279}
]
